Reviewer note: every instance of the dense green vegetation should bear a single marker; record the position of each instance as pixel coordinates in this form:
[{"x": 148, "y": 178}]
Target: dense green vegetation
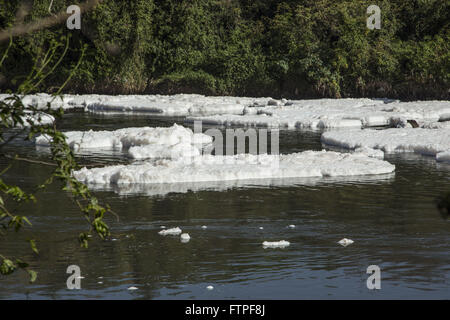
[{"x": 290, "y": 48}]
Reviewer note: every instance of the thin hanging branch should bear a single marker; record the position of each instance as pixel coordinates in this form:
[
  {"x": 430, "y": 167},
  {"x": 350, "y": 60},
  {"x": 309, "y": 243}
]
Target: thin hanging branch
[
  {"x": 50, "y": 7},
  {"x": 44, "y": 23}
]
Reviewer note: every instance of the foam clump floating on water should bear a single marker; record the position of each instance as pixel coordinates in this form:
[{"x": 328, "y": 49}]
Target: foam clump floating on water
[
  {"x": 373, "y": 153},
  {"x": 185, "y": 237},
  {"x": 163, "y": 151},
  {"x": 209, "y": 168},
  {"x": 140, "y": 143},
  {"x": 79, "y": 140},
  {"x": 429, "y": 142},
  {"x": 36, "y": 119},
  {"x": 41, "y": 100},
  {"x": 345, "y": 242},
  {"x": 267, "y": 112},
  {"x": 334, "y": 113},
  {"x": 436, "y": 125},
  {"x": 172, "y": 231},
  {"x": 276, "y": 244},
  {"x": 175, "y": 105},
  {"x": 443, "y": 156},
  {"x": 39, "y": 119}
]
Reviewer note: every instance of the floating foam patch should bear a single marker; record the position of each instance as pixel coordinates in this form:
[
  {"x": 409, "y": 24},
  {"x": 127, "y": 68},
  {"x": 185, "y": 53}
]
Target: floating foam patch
[
  {"x": 429, "y": 142},
  {"x": 276, "y": 244},
  {"x": 209, "y": 168},
  {"x": 140, "y": 143}
]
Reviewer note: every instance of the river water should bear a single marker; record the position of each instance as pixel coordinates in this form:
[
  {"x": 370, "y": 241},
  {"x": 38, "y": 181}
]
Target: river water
[{"x": 392, "y": 219}]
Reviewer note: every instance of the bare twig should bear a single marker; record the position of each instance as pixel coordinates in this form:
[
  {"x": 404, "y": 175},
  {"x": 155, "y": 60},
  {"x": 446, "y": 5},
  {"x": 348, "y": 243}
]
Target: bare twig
[
  {"x": 50, "y": 7},
  {"x": 29, "y": 160},
  {"x": 44, "y": 23},
  {"x": 92, "y": 165}
]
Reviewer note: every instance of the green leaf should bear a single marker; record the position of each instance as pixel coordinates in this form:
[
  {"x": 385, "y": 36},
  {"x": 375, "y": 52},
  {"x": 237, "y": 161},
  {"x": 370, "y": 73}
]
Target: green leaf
[
  {"x": 21, "y": 264},
  {"x": 7, "y": 267},
  {"x": 33, "y": 275},
  {"x": 84, "y": 238},
  {"x": 33, "y": 246},
  {"x": 26, "y": 220}
]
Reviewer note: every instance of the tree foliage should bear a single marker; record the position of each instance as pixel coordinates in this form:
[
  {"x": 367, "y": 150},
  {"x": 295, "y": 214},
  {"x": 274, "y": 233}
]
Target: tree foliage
[
  {"x": 292, "y": 48},
  {"x": 20, "y": 121}
]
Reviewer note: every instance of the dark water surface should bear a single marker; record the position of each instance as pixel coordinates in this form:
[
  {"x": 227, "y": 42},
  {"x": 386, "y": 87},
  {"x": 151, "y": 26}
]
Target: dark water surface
[{"x": 392, "y": 219}]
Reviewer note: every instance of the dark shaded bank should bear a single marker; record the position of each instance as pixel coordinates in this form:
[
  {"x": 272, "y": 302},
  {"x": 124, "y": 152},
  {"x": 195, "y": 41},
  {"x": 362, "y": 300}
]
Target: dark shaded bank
[{"x": 291, "y": 48}]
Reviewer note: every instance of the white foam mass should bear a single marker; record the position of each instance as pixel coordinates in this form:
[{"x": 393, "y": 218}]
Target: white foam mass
[
  {"x": 166, "y": 105},
  {"x": 238, "y": 167},
  {"x": 172, "y": 231},
  {"x": 266, "y": 112},
  {"x": 36, "y": 119},
  {"x": 185, "y": 237},
  {"x": 163, "y": 151},
  {"x": 276, "y": 244},
  {"x": 443, "y": 156},
  {"x": 40, "y": 100},
  {"x": 334, "y": 113},
  {"x": 40, "y": 118},
  {"x": 345, "y": 242},
  {"x": 422, "y": 141},
  {"x": 140, "y": 143},
  {"x": 370, "y": 152}
]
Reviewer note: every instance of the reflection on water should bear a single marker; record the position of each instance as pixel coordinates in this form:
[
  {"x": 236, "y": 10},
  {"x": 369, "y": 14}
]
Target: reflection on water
[
  {"x": 166, "y": 188},
  {"x": 392, "y": 219}
]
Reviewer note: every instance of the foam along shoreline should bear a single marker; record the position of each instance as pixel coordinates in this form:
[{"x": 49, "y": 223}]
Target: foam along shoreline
[
  {"x": 175, "y": 105},
  {"x": 259, "y": 112},
  {"x": 335, "y": 113},
  {"x": 139, "y": 143},
  {"x": 36, "y": 119},
  {"x": 39, "y": 119},
  {"x": 166, "y": 105},
  {"x": 210, "y": 168},
  {"x": 42, "y": 100},
  {"x": 429, "y": 142}
]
